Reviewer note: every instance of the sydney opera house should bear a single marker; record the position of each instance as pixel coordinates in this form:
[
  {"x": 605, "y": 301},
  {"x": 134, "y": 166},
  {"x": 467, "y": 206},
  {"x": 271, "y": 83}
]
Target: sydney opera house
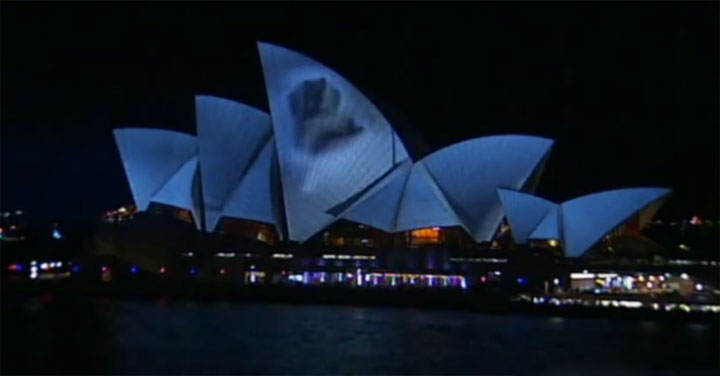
[{"x": 326, "y": 153}]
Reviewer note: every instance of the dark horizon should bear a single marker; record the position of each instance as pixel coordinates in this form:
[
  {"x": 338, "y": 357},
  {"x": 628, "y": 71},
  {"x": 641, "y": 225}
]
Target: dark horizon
[{"x": 629, "y": 94}]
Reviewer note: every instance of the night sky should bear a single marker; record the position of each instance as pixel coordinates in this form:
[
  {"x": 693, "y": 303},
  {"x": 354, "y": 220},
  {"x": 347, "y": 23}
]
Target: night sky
[{"x": 628, "y": 91}]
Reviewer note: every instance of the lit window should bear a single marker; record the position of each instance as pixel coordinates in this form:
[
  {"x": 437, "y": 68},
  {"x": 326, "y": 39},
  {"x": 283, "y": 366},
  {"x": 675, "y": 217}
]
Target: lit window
[{"x": 425, "y": 236}]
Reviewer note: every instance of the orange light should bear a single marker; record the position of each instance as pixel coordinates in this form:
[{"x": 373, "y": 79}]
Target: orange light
[{"x": 425, "y": 235}]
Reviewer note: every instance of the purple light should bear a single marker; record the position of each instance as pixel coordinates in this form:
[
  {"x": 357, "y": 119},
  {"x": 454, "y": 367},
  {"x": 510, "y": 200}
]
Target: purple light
[{"x": 193, "y": 271}]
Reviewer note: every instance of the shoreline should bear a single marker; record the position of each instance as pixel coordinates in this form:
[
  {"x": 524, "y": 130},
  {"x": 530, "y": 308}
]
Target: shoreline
[{"x": 484, "y": 302}]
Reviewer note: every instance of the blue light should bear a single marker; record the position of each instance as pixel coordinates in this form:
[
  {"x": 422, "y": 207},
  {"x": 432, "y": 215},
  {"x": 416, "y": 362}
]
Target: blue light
[
  {"x": 193, "y": 271},
  {"x": 134, "y": 269},
  {"x": 521, "y": 280},
  {"x": 76, "y": 268},
  {"x": 56, "y": 234}
]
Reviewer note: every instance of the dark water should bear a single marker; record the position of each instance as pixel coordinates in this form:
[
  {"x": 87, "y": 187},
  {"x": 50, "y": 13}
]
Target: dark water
[{"x": 51, "y": 335}]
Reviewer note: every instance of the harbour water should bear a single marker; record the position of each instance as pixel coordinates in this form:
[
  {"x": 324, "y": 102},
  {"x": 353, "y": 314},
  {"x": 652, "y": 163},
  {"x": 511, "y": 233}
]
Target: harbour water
[{"x": 48, "y": 334}]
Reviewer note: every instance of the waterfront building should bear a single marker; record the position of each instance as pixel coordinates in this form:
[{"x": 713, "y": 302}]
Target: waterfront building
[{"x": 325, "y": 156}]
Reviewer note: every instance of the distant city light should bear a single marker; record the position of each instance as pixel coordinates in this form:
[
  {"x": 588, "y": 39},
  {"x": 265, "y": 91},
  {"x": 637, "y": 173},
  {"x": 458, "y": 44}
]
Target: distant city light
[
  {"x": 44, "y": 266},
  {"x": 15, "y": 267},
  {"x": 684, "y": 276},
  {"x": 104, "y": 269},
  {"x": 553, "y": 242},
  {"x": 162, "y": 270},
  {"x": 192, "y": 271},
  {"x": 56, "y": 234},
  {"x": 223, "y": 271},
  {"x": 521, "y": 280},
  {"x": 76, "y": 268},
  {"x": 556, "y": 281},
  {"x": 607, "y": 275},
  {"x": 684, "y": 247},
  {"x": 699, "y": 287},
  {"x": 133, "y": 269}
]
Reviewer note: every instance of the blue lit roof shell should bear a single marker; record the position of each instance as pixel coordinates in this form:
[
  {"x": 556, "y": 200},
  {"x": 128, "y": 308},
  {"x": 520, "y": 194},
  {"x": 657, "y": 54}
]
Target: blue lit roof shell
[
  {"x": 469, "y": 173},
  {"x": 332, "y": 142},
  {"x": 151, "y": 157},
  {"x": 581, "y": 222},
  {"x": 230, "y": 136},
  {"x": 181, "y": 190},
  {"x": 526, "y": 212},
  {"x": 256, "y": 197},
  {"x": 455, "y": 186},
  {"x": 586, "y": 219}
]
